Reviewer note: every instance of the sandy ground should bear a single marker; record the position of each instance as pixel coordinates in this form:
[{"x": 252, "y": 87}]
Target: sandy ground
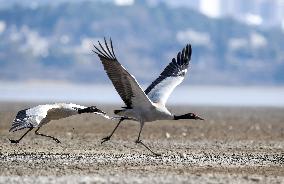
[{"x": 233, "y": 145}]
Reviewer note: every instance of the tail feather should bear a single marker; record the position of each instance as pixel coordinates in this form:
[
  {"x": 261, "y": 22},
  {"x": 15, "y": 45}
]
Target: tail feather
[
  {"x": 15, "y": 125},
  {"x": 13, "y": 129},
  {"x": 19, "y": 126}
]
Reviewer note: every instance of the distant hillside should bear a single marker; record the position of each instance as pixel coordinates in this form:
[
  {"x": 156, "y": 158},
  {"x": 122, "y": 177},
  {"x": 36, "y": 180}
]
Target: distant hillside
[{"x": 54, "y": 42}]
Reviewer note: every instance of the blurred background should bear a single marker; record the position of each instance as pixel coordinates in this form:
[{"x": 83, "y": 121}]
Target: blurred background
[{"x": 238, "y": 59}]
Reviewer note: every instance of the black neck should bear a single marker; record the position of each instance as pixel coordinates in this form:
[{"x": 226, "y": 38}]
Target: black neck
[
  {"x": 86, "y": 110},
  {"x": 185, "y": 116}
]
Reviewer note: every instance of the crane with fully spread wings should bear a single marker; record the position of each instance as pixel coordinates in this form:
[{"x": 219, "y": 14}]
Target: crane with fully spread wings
[{"x": 148, "y": 105}]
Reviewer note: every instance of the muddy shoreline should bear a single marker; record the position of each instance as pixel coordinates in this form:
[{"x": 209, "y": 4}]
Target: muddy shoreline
[{"x": 233, "y": 145}]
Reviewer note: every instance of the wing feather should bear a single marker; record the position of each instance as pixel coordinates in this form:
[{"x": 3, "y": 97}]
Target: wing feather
[
  {"x": 29, "y": 118},
  {"x": 160, "y": 90},
  {"x": 124, "y": 83}
]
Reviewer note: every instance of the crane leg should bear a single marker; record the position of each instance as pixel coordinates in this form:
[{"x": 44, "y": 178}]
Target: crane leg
[
  {"x": 17, "y": 141},
  {"x": 138, "y": 141},
  {"x": 107, "y": 138},
  {"x": 37, "y": 133}
]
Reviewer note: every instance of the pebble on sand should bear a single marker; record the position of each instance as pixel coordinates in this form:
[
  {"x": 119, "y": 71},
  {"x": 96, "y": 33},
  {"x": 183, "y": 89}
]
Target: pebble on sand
[{"x": 168, "y": 135}]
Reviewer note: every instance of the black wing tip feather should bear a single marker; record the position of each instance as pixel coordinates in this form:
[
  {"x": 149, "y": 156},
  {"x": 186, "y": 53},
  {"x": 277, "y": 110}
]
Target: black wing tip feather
[
  {"x": 105, "y": 51},
  {"x": 13, "y": 128},
  {"x": 181, "y": 61},
  {"x": 175, "y": 68},
  {"x": 20, "y": 122},
  {"x": 188, "y": 50},
  {"x": 19, "y": 125},
  {"x": 185, "y": 54},
  {"x": 91, "y": 109}
]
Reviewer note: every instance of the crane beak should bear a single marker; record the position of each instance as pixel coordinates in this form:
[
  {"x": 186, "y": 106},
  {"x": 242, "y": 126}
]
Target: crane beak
[{"x": 199, "y": 118}]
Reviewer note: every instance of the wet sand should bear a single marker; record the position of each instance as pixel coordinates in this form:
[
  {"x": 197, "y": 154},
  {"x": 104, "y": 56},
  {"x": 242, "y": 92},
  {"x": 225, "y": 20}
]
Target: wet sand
[{"x": 233, "y": 145}]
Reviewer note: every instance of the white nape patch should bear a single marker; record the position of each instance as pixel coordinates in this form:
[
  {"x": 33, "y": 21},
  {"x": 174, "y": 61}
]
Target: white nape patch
[{"x": 161, "y": 92}]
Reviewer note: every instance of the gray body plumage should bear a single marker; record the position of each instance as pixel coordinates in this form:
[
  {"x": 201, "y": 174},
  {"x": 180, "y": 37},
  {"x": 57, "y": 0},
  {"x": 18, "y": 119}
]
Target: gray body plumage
[
  {"x": 152, "y": 113},
  {"x": 42, "y": 114},
  {"x": 149, "y": 105}
]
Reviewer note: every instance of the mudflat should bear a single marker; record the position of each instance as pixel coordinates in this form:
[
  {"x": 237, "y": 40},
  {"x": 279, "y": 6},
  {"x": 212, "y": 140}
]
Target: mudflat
[{"x": 233, "y": 145}]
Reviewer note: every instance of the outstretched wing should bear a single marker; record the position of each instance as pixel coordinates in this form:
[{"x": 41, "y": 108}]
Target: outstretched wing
[
  {"x": 124, "y": 83},
  {"x": 160, "y": 90},
  {"x": 29, "y": 118}
]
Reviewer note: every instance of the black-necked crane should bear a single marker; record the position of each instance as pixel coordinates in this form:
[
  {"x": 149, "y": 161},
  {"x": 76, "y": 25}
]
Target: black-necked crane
[
  {"x": 148, "y": 105},
  {"x": 40, "y": 115}
]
